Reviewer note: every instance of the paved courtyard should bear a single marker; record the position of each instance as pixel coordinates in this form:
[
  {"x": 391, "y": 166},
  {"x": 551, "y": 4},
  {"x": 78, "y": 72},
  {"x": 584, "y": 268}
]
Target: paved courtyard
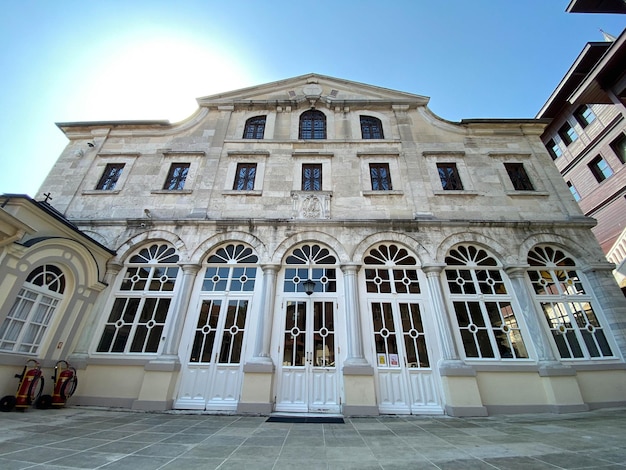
[{"x": 90, "y": 438}]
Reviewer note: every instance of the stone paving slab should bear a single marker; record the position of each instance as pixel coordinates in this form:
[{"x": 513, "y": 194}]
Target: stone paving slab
[{"x": 98, "y": 438}]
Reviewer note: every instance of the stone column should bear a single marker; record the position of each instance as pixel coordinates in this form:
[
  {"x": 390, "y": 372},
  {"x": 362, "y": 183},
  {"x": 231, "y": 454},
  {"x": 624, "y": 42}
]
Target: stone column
[
  {"x": 266, "y": 316},
  {"x": 79, "y": 357},
  {"x": 610, "y": 300},
  {"x": 538, "y": 335},
  {"x": 256, "y": 390},
  {"x": 358, "y": 375},
  {"x": 461, "y": 394},
  {"x": 353, "y": 317},
  {"x": 562, "y": 390},
  {"x": 179, "y": 311},
  {"x": 440, "y": 312}
]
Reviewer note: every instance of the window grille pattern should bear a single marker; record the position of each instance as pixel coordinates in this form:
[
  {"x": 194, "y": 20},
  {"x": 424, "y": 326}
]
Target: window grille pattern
[
  {"x": 176, "y": 177},
  {"x": 371, "y": 128},
  {"x": 227, "y": 270},
  {"x": 311, "y": 177},
  {"x": 449, "y": 175},
  {"x": 380, "y": 177},
  {"x": 111, "y": 175},
  {"x": 255, "y": 128},
  {"x": 567, "y": 308},
  {"x": 140, "y": 309},
  {"x": 316, "y": 263},
  {"x": 244, "y": 179},
  {"x": 384, "y": 332},
  {"x": 391, "y": 269},
  {"x": 295, "y": 333},
  {"x": 229, "y": 279},
  {"x": 411, "y": 334},
  {"x": 519, "y": 177},
  {"x": 230, "y": 334},
  {"x": 485, "y": 315},
  {"x": 24, "y": 328},
  {"x": 312, "y": 125}
]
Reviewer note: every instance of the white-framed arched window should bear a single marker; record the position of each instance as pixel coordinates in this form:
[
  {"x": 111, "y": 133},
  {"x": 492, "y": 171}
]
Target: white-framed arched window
[
  {"x": 311, "y": 262},
  {"x": 484, "y": 311},
  {"x": 142, "y": 302},
  {"x": 24, "y": 328},
  {"x": 227, "y": 286},
  {"x": 394, "y": 291},
  {"x": 566, "y": 305}
]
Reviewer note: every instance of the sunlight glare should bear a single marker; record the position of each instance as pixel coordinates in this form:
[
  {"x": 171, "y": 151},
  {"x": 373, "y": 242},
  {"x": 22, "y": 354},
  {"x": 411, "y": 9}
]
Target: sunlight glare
[{"x": 160, "y": 78}]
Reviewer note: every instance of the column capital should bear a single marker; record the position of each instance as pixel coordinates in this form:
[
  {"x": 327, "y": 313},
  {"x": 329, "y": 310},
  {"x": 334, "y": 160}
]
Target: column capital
[
  {"x": 599, "y": 266},
  {"x": 348, "y": 268},
  {"x": 516, "y": 270},
  {"x": 270, "y": 267},
  {"x": 190, "y": 268},
  {"x": 433, "y": 268},
  {"x": 114, "y": 267}
]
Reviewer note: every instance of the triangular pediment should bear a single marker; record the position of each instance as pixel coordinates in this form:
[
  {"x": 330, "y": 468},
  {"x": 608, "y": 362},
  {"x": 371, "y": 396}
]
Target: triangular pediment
[{"x": 313, "y": 89}]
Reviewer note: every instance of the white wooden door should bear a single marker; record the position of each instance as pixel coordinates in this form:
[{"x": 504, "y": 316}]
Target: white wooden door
[
  {"x": 212, "y": 374},
  {"x": 406, "y": 382},
  {"x": 307, "y": 371}
]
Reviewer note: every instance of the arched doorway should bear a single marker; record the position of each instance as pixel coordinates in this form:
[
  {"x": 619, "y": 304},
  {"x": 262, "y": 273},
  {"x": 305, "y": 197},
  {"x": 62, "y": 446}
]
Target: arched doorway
[
  {"x": 403, "y": 337},
  {"x": 309, "y": 335},
  {"x": 215, "y": 336}
]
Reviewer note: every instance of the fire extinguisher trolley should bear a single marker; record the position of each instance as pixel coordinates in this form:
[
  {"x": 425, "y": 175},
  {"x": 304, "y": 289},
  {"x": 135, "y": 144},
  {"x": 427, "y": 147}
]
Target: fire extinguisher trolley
[
  {"x": 65, "y": 382},
  {"x": 28, "y": 390}
]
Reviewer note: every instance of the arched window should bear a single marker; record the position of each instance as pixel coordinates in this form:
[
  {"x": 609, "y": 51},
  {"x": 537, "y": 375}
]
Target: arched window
[
  {"x": 394, "y": 277},
  {"x": 312, "y": 125},
  {"x": 566, "y": 306},
  {"x": 227, "y": 270},
  {"x": 397, "y": 320},
  {"x": 255, "y": 128},
  {"x": 311, "y": 262},
  {"x": 371, "y": 128},
  {"x": 221, "y": 325},
  {"x": 484, "y": 312},
  {"x": 25, "y": 326},
  {"x": 309, "y": 333},
  {"x": 142, "y": 302}
]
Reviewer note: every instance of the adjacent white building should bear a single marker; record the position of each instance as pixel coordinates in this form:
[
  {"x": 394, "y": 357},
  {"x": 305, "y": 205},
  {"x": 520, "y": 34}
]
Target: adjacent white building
[{"x": 320, "y": 245}]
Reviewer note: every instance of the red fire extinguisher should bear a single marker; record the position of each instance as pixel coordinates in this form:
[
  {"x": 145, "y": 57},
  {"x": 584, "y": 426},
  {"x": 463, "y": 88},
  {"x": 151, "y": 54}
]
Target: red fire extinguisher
[
  {"x": 28, "y": 390},
  {"x": 65, "y": 383}
]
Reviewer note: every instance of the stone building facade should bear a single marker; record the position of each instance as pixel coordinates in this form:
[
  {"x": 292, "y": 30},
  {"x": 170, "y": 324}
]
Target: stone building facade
[{"x": 320, "y": 245}]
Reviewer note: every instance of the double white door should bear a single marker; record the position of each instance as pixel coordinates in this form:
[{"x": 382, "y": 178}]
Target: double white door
[
  {"x": 404, "y": 357},
  {"x": 308, "y": 375},
  {"x": 212, "y": 374}
]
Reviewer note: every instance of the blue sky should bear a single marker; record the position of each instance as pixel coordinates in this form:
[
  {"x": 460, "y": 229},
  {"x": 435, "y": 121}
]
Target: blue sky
[{"x": 70, "y": 60}]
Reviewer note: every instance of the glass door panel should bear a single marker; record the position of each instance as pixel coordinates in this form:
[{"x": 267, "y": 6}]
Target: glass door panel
[
  {"x": 211, "y": 379},
  {"x": 405, "y": 380},
  {"x": 295, "y": 335},
  {"x": 324, "y": 334},
  {"x": 308, "y": 376},
  {"x": 206, "y": 327}
]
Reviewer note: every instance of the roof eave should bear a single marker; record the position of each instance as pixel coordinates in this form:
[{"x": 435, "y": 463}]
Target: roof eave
[
  {"x": 592, "y": 82},
  {"x": 571, "y": 79}
]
